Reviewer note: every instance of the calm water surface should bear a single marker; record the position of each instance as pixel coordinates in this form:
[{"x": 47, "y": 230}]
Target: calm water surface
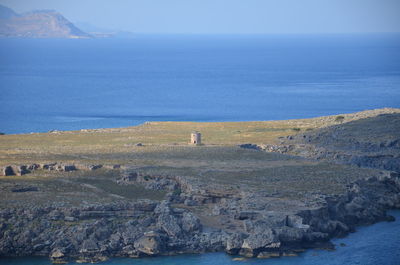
[
  {"x": 97, "y": 83},
  {"x": 76, "y": 84},
  {"x": 378, "y": 244}
]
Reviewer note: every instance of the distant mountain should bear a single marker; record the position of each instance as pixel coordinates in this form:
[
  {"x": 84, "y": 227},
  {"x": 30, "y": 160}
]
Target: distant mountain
[
  {"x": 37, "y": 24},
  {"x": 7, "y": 13}
]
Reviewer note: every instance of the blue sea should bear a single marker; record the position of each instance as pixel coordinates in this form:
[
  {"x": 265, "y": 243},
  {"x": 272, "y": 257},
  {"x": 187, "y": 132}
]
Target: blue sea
[
  {"x": 59, "y": 84},
  {"x": 72, "y": 84},
  {"x": 378, "y": 244}
]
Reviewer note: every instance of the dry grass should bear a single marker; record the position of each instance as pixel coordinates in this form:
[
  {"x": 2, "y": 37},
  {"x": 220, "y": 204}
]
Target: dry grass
[
  {"x": 86, "y": 145},
  {"x": 166, "y": 152},
  {"x": 70, "y": 189}
]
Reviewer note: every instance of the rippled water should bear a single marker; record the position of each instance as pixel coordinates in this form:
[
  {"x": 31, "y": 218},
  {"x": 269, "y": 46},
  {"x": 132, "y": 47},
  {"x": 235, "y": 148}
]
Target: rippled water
[{"x": 101, "y": 83}]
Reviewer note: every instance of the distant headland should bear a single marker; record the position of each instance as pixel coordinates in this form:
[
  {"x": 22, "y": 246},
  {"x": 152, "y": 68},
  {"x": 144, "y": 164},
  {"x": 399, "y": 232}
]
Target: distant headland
[{"x": 37, "y": 24}]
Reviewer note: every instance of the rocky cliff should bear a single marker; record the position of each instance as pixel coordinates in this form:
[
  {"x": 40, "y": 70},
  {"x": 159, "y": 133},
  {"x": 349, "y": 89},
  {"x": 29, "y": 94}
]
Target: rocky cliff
[
  {"x": 371, "y": 142},
  {"x": 37, "y": 24},
  {"x": 185, "y": 199},
  {"x": 260, "y": 227}
]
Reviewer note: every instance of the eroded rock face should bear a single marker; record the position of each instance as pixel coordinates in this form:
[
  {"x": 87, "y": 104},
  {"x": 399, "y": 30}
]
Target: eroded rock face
[
  {"x": 190, "y": 222},
  {"x": 371, "y": 142},
  {"x": 255, "y": 242},
  {"x": 169, "y": 224},
  {"x": 259, "y": 226},
  {"x": 234, "y": 243},
  {"x": 150, "y": 244},
  {"x": 92, "y": 233}
]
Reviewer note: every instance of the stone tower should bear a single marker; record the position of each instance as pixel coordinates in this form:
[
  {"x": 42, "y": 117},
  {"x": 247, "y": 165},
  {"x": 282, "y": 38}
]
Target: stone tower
[{"x": 195, "y": 138}]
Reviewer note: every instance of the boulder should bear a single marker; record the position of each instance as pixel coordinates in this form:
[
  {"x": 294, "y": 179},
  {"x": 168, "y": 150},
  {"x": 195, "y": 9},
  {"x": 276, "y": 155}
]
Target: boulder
[
  {"x": 58, "y": 256},
  {"x": 256, "y": 242},
  {"x": 94, "y": 167},
  {"x": 66, "y": 168},
  {"x": 150, "y": 244},
  {"x": 50, "y": 166},
  {"x": 169, "y": 224},
  {"x": 57, "y": 253},
  {"x": 8, "y": 171},
  {"x": 33, "y": 166},
  {"x": 21, "y": 170}
]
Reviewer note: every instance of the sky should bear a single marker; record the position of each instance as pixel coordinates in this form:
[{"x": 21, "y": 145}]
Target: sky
[{"x": 226, "y": 16}]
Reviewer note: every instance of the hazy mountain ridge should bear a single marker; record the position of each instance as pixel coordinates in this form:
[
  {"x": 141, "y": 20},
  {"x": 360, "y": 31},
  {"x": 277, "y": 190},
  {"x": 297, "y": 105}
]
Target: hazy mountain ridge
[
  {"x": 6, "y": 13},
  {"x": 37, "y": 24}
]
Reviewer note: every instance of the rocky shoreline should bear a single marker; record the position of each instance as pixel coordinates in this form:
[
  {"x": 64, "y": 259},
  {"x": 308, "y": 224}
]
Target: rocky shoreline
[
  {"x": 148, "y": 228},
  {"x": 357, "y": 143},
  {"x": 243, "y": 202}
]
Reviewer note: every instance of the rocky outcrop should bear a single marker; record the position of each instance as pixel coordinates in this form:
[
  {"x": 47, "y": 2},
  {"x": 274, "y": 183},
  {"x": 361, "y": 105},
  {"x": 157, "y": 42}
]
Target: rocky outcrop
[
  {"x": 20, "y": 170},
  {"x": 267, "y": 226},
  {"x": 15, "y": 170},
  {"x": 8, "y": 171},
  {"x": 151, "y": 243},
  {"x": 199, "y": 216},
  {"x": 371, "y": 142},
  {"x": 147, "y": 228},
  {"x": 94, "y": 232}
]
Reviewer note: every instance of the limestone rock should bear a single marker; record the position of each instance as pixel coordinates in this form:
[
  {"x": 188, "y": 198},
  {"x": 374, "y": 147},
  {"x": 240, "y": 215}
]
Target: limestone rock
[
  {"x": 89, "y": 246},
  {"x": 57, "y": 256},
  {"x": 234, "y": 243},
  {"x": 169, "y": 224},
  {"x": 150, "y": 244},
  {"x": 190, "y": 222},
  {"x": 8, "y": 171},
  {"x": 252, "y": 244}
]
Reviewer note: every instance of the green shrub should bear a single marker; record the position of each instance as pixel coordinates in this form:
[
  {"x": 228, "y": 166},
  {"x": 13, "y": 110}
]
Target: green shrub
[
  {"x": 177, "y": 192},
  {"x": 339, "y": 118},
  {"x": 296, "y": 129}
]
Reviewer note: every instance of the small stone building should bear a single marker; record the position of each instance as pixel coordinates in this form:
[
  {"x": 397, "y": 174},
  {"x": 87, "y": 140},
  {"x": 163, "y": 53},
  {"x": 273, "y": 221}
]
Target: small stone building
[{"x": 195, "y": 138}]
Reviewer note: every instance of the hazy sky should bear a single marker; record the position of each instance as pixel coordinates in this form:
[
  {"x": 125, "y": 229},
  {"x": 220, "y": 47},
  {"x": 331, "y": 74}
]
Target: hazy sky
[{"x": 227, "y": 16}]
